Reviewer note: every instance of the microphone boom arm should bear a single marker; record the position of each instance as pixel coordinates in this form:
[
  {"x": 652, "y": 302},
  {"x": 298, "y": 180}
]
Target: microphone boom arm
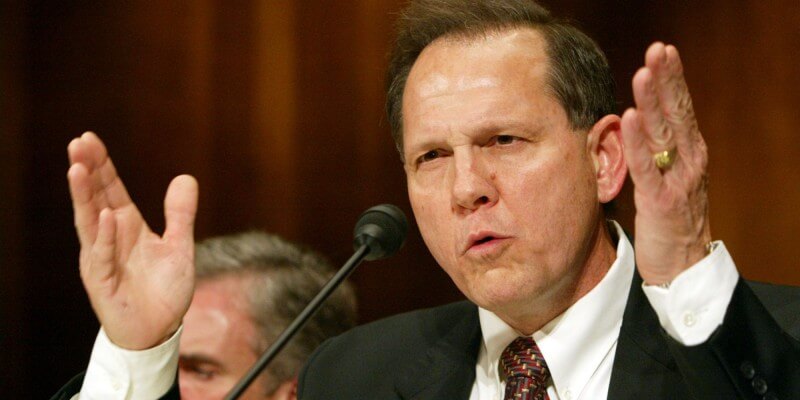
[
  {"x": 299, "y": 322},
  {"x": 379, "y": 233}
]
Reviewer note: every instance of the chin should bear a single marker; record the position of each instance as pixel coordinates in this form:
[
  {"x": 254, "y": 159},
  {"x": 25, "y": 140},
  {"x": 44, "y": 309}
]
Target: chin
[{"x": 497, "y": 299}]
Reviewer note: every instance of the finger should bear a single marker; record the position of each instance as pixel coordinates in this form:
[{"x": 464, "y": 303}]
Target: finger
[
  {"x": 180, "y": 208},
  {"x": 102, "y": 262},
  {"x": 651, "y": 120},
  {"x": 90, "y": 151},
  {"x": 638, "y": 155},
  {"x": 77, "y": 151},
  {"x": 84, "y": 207},
  {"x": 673, "y": 93}
]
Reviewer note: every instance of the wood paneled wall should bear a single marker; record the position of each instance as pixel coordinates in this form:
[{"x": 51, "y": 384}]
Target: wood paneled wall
[{"x": 276, "y": 108}]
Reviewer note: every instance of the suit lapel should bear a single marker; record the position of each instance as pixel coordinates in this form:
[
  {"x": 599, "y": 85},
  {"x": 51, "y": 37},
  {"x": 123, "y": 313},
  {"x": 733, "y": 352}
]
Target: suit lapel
[
  {"x": 643, "y": 366},
  {"x": 447, "y": 370}
]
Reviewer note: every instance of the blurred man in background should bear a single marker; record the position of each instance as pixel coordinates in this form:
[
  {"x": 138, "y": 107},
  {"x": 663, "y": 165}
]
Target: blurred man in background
[{"x": 250, "y": 286}]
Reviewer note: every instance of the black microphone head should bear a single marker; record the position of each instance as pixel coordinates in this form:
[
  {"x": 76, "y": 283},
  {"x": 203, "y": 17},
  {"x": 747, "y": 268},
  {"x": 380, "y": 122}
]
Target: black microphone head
[{"x": 383, "y": 229}]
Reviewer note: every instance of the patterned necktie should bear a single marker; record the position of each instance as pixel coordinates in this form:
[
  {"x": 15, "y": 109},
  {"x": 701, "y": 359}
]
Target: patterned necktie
[{"x": 525, "y": 369}]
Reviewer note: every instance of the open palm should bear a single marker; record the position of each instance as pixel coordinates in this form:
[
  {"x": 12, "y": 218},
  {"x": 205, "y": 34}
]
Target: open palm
[
  {"x": 140, "y": 284},
  {"x": 672, "y": 226}
]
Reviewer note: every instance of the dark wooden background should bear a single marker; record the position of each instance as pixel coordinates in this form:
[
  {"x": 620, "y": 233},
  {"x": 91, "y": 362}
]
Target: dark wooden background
[{"x": 276, "y": 107}]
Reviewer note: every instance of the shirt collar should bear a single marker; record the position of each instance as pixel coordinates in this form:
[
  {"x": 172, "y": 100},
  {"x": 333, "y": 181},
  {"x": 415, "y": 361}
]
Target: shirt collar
[{"x": 576, "y": 342}]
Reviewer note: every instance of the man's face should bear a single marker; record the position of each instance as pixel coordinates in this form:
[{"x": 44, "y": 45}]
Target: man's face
[
  {"x": 219, "y": 341},
  {"x": 503, "y": 190}
]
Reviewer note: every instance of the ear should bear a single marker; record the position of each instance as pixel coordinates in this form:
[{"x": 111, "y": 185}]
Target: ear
[
  {"x": 604, "y": 142},
  {"x": 286, "y": 391}
]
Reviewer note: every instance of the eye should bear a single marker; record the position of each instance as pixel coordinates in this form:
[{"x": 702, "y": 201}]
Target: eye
[
  {"x": 428, "y": 156},
  {"x": 202, "y": 372},
  {"x": 504, "y": 139}
]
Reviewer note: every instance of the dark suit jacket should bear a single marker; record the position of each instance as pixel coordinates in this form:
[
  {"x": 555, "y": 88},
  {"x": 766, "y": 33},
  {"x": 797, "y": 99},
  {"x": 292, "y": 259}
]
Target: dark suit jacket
[{"x": 431, "y": 354}]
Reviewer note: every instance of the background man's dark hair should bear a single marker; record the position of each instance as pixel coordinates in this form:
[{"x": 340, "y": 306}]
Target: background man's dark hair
[
  {"x": 281, "y": 278},
  {"x": 580, "y": 78}
]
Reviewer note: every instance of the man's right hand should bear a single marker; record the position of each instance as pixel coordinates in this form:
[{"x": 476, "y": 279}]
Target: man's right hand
[{"x": 140, "y": 284}]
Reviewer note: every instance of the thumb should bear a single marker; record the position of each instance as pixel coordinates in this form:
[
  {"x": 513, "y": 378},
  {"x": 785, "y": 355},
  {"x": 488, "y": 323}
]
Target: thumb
[{"x": 180, "y": 208}]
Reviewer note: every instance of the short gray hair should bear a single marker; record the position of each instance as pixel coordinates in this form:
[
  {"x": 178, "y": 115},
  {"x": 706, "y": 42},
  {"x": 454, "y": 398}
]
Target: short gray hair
[
  {"x": 282, "y": 278},
  {"x": 579, "y": 77}
]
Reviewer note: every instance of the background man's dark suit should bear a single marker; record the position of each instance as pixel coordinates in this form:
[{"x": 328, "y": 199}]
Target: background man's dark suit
[{"x": 431, "y": 354}]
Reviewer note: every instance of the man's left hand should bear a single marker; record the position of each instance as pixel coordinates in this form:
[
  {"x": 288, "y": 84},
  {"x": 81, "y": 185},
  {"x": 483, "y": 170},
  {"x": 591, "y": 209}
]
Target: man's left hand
[{"x": 672, "y": 228}]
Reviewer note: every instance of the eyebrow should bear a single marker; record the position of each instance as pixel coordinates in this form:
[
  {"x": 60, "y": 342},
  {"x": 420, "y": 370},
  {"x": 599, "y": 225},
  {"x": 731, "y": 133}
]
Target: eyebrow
[
  {"x": 198, "y": 359},
  {"x": 492, "y": 126}
]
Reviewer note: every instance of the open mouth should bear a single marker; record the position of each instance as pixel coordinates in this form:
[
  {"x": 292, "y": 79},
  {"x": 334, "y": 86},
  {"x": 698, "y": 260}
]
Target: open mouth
[{"x": 483, "y": 240}]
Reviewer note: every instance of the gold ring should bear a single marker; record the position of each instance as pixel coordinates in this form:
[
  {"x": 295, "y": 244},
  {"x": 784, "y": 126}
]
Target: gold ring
[{"x": 665, "y": 159}]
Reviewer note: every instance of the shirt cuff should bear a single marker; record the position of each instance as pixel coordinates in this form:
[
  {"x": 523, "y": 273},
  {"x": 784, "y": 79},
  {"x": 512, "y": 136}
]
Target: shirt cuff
[
  {"x": 694, "y": 305},
  {"x": 116, "y": 373}
]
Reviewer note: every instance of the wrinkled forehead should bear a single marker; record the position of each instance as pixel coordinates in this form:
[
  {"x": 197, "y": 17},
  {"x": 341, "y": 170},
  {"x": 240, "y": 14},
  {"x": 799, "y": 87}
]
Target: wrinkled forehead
[{"x": 508, "y": 63}]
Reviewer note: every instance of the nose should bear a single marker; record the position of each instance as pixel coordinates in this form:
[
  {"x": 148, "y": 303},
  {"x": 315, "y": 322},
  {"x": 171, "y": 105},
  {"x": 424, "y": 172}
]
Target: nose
[{"x": 472, "y": 185}]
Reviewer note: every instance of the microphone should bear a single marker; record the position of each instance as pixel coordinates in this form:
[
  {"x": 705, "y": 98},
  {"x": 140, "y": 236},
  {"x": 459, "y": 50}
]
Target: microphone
[
  {"x": 382, "y": 229},
  {"x": 379, "y": 233}
]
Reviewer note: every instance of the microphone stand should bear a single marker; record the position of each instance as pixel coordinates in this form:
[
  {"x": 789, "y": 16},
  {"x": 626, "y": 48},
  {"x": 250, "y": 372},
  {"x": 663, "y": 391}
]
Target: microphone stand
[{"x": 299, "y": 322}]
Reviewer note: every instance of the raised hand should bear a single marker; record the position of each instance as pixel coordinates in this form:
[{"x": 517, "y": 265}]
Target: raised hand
[
  {"x": 672, "y": 227},
  {"x": 140, "y": 284}
]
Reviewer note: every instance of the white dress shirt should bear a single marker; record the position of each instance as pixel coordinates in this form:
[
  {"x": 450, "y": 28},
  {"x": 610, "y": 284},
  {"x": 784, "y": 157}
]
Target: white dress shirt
[{"x": 578, "y": 345}]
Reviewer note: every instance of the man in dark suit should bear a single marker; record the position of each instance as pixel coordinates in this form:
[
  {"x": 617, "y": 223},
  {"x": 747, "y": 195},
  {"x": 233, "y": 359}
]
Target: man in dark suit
[{"x": 504, "y": 119}]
